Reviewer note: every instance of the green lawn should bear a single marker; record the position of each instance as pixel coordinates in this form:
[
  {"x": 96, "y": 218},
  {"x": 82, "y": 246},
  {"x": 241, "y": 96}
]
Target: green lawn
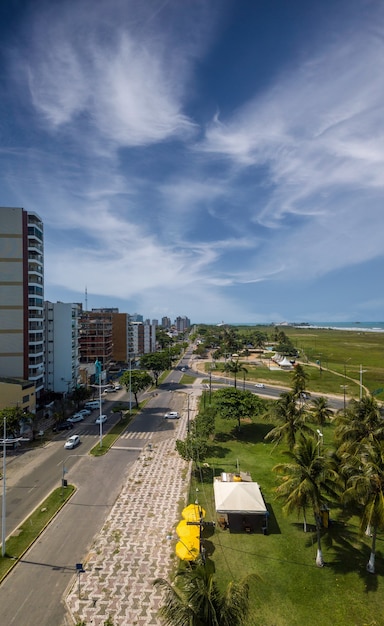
[
  {"x": 340, "y": 352},
  {"x": 291, "y": 591}
]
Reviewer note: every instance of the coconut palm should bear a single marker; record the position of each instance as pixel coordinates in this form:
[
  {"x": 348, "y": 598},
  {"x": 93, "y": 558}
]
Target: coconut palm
[
  {"x": 321, "y": 411},
  {"x": 361, "y": 422},
  {"x": 305, "y": 480},
  {"x": 234, "y": 367},
  {"x": 365, "y": 488},
  {"x": 194, "y": 599},
  {"x": 291, "y": 418},
  {"x": 299, "y": 379}
]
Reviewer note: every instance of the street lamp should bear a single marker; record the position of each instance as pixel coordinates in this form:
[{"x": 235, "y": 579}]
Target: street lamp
[
  {"x": 319, "y": 440},
  {"x": 98, "y": 373},
  {"x": 4, "y": 489},
  {"x": 344, "y": 387},
  {"x": 361, "y": 381},
  {"x": 4, "y": 506}
]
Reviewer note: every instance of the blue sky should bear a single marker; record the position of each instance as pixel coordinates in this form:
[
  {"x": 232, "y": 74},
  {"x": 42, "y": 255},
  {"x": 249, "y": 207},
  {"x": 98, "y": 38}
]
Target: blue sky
[{"x": 220, "y": 159}]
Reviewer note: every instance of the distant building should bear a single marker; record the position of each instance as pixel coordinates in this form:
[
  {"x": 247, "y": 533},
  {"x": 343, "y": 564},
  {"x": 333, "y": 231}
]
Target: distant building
[
  {"x": 130, "y": 338},
  {"x": 22, "y": 296},
  {"x": 182, "y": 324},
  {"x": 136, "y": 317},
  {"x": 166, "y": 322},
  {"x": 62, "y": 346}
]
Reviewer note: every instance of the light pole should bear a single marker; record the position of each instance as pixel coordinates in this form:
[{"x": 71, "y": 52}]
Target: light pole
[
  {"x": 344, "y": 387},
  {"x": 98, "y": 374},
  {"x": 319, "y": 440},
  {"x": 4, "y": 489},
  {"x": 361, "y": 381}
]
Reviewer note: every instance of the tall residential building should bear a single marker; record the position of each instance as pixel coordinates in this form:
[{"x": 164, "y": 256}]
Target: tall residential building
[
  {"x": 131, "y": 338},
  {"x": 95, "y": 337},
  {"x": 182, "y": 324},
  {"x": 166, "y": 322},
  {"x": 62, "y": 346},
  {"x": 22, "y": 296}
]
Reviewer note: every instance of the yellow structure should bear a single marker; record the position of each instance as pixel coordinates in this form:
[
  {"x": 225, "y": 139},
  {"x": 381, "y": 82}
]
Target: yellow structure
[{"x": 17, "y": 392}]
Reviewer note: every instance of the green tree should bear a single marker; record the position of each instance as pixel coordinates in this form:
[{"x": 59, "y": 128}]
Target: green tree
[
  {"x": 365, "y": 489},
  {"x": 79, "y": 395},
  {"x": 136, "y": 380},
  {"x": 194, "y": 599},
  {"x": 236, "y": 404},
  {"x": 321, "y": 411},
  {"x": 14, "y": 416},
  {"x": 157, "y": 362},
  {"x": 235, "y": 367},
  {"x": 304, "y": 481},
  {"x": 299, "y": 379},
  {"x": 291, "y": 420},
  {"x": 361, "y": 422}
]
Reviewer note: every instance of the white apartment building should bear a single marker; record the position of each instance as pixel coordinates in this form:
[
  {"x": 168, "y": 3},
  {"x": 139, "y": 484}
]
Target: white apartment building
[
  {"x": 62, "y": 346},
  {"x": 22, "y": 296}
]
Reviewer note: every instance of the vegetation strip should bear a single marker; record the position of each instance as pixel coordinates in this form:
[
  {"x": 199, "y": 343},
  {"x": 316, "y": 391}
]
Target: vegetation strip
[{"x": 23, "y": 538}]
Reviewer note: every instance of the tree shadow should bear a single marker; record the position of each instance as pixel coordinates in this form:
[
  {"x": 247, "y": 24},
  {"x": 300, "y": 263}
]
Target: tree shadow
[
  {"x": 252, "y": 433},
  {"x": 218, "y": 452}
]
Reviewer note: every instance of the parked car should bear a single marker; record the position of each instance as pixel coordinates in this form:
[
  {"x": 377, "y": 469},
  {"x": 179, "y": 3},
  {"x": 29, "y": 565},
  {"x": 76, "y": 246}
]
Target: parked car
[
  {"x": 63, "y": 426},
  {"x": 260, "y": 385},
  {"x": 84, "y": 412},
  {"x": 72, "y": 442},
  {"x": 109, "y": 390},
  {"x": 118, "y": 387},
  {"x": 101, "y": 419},
  {"x": 172, "y": 415},
  {"x": 93, "y": 404},
  {"x": 78, "y": 417}
]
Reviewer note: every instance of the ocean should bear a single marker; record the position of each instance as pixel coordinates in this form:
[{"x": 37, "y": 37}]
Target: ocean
[{"x": 377, "y": 327}]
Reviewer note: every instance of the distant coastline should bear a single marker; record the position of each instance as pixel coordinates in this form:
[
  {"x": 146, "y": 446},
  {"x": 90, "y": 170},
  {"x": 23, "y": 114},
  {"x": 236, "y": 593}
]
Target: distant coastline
[{"x": 372, "y": 327}]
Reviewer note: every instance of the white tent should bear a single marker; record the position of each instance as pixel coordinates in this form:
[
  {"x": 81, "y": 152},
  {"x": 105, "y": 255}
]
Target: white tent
[{"x": 239, "y": 497}]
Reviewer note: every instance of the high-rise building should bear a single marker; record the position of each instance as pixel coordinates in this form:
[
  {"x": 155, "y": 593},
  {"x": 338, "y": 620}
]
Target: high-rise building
[
  {"x": 131, "y": 339},
  {"x": 182, "y": 324},
  {"x": 95, "y": 337},
  {"x": 22, "y": 296},
  {"x": 62, "y": 346}
]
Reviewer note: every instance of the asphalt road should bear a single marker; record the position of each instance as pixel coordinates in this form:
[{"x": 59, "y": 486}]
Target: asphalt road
[{"x": 32, "y": 593}]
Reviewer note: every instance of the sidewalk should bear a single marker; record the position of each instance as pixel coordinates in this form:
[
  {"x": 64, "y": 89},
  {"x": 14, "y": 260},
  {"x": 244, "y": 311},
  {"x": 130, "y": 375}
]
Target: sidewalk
[{"x": 136, "y": 544}]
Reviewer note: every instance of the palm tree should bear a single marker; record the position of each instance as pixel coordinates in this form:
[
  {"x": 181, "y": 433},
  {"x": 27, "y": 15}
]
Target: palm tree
[
  {"x": 193, "y": 599},
  {"x": 299, "y": 379},
  {"x": 291, "y": 418},
  {"x": 366, "y": 490},
  {"x": 235, "y": 368},
  {"x": 361, "y": 422},
  {"x": 321, "y": 411},
  {"x": 304, "y": 480}
]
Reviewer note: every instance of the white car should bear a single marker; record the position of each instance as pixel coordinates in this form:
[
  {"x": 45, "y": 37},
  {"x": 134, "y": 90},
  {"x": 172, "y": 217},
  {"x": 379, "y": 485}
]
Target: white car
[
  {"x": 260, "y": 385},
  {"x": 84, "y": 412},
  {"x": 118, "y": 387},
  {"x": 172, "y": 415},
  {"x": 101, "y": 419},
  {"x": 72, "y": 442},
  {"x": 78, "y": 417}
]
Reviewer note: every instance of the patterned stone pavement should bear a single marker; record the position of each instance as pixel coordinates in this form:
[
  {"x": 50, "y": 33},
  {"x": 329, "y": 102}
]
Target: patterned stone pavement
[{"x": 136, "y": 543}]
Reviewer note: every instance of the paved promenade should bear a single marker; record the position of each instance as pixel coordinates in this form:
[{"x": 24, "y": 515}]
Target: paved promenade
[{"x": 136, "y": 543}]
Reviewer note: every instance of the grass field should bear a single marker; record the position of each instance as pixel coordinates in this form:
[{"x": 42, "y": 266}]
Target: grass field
[
  {"x": 291, "y": 590},
  {"x": 341, "y": 354}
]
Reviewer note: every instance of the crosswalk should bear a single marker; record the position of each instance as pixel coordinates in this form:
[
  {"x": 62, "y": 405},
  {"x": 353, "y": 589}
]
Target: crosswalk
[
  {"x": 125, "y": 435},
  {"x": 136, "y": 435}
]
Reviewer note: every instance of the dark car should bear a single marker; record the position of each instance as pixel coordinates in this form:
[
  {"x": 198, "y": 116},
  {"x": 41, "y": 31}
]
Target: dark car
[{"x": 63, "y": 426}]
